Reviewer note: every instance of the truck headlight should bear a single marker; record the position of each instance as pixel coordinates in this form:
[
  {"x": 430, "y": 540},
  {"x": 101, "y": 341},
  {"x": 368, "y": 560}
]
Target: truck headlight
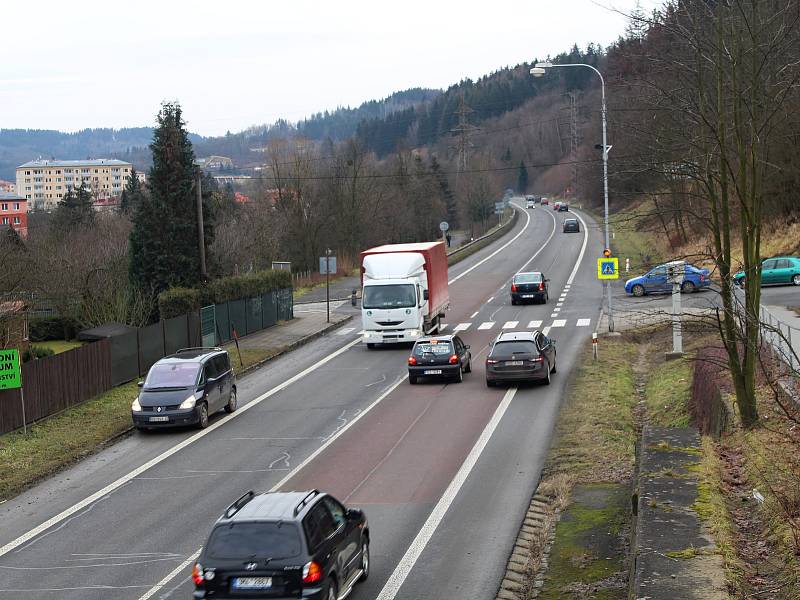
[
  {"x": 189, "y": 402},
  {"x": 136, "y": 407}
]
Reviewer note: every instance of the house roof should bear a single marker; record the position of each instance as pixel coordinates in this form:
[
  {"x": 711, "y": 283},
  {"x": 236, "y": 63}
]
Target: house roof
[
  {"x": 11, "y": 196},
  {"x": 106, "y": 330},
  {"x": 94, "y": 162}
]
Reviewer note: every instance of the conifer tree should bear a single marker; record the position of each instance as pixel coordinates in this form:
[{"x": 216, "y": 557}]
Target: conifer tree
[
  {"x": 164, "y": 240},
  {"x": 132, "y": 194},
  {"x": 75, "y": 209},
  {"x": 522, "y": 178}
]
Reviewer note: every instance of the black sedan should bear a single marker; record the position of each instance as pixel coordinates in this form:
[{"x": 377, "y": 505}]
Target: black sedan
[
  {"x": 441, "y": 356},
  {"x": 517, "y": 356},
  {"x": 571, "y": 226},
  {"x": 529, "y": 286}
]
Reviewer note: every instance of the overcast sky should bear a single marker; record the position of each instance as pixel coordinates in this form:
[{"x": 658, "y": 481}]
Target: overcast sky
[{"x": 235, "y": 63}]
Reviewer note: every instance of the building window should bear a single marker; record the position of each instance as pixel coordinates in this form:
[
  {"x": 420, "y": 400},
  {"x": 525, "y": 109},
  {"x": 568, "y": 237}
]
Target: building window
[
  {"x": 16, "y": 221},
  {"x": 5, "y": 206},
  {"x": 16, "y": 205},
  {"x": 28, "y": 196},
  {"x": 27, "y": 172},
  {"x": 5, "y": 220}
]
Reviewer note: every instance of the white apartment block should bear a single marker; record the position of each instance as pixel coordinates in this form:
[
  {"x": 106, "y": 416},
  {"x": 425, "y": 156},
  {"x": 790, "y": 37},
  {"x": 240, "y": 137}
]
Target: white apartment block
[{"x": 44, "y": 182}]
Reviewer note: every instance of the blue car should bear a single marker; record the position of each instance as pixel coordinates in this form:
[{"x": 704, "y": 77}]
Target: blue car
[{"x": 655, "y": 281}]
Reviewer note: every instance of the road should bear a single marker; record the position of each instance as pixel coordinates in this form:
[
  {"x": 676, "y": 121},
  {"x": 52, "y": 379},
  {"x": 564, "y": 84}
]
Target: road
[{"x": 444, "y": 472}]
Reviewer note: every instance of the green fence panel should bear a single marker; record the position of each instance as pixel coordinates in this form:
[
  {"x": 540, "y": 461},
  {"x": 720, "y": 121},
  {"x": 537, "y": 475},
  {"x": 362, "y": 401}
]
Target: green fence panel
[
  {"x": 254, "y": 317},
  {"x": 237, "y": 309},
  {"x": 285, "y": 305},
  {"x": 176, "y": 334},
  {"x": 223, "y": 322},
  {"x": 269, "y": 310}
]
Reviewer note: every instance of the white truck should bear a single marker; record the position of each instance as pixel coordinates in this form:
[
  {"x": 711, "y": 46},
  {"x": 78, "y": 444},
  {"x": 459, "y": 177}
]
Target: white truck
[{"x": 404, "y": 292}]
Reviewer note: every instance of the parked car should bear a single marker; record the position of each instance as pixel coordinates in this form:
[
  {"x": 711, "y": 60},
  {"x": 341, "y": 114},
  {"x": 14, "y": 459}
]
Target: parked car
[
  {"x": 545, "y": 200},
  {"x": 529, "y": 286},
  {"x": 185, "y": 388},
  {"x": 571, "y": 226},
  {"x": 779, "y": 269},
  {"x": 284, "y": 545},
  {"x": 440, "y": 356},
  {"x": 521, "y": 356},
  {"x": 563, "y": 207},
  {"x": 656, "y": 280}
]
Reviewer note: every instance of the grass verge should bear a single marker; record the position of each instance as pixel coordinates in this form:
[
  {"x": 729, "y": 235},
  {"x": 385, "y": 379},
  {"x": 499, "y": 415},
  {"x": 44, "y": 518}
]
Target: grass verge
[
  {"x": 58, "y": 346},
  {"x": 58, "y": 441},
  {"x": 667, "y": 393}
]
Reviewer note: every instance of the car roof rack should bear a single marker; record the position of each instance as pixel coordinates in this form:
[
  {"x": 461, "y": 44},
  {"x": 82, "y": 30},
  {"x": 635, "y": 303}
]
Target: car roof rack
[
  {"x": 192, "y": 349},
  {"x": 240, "y": 502},
  {"x": 306, "y": 499}
]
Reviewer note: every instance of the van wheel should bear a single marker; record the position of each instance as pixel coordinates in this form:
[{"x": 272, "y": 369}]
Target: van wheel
[
  {"x": 553, "y": 370},
  {"x": 202, "y": 417},
  {"x": 231, "y": 405}
]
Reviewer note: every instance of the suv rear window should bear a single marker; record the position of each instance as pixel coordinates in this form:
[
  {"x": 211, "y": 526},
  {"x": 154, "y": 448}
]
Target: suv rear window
[
  {"x": 247, "y": 540},
  {"x": 528, "y": 278},
  {"x": 506, "y": 349},
  {"x": 437, "y": 349},
  {"x": 167, "y": 375}
]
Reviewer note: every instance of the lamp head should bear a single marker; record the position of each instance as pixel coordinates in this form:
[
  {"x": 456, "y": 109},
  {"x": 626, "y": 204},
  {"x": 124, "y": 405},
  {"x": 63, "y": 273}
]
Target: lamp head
[{"x": 538, "y": 71}]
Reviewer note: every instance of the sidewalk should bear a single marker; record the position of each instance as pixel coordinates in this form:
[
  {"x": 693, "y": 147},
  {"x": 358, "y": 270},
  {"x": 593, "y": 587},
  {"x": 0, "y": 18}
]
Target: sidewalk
[
  {"x": 675, "y": 556},
  {"x": 302, "y": 329}
]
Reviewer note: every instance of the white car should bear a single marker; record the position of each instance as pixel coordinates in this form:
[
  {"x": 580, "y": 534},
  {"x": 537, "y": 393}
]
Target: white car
[{"x": 530, "y": 204}]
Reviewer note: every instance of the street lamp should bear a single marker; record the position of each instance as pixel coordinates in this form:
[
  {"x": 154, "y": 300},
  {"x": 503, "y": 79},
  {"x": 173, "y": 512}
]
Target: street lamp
[{"x": 538, "y": 71}]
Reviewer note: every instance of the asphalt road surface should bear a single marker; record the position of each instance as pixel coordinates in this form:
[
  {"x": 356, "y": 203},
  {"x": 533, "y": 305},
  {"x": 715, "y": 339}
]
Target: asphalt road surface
[{"x": 444, "y": 472}]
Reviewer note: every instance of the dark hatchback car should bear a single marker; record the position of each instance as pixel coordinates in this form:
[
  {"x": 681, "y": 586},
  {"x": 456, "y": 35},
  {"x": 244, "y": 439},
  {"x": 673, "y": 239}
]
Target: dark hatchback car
[
  {"x": 284, "y": 545},
  {"x": 529, "y": 286},
  {"x": 563, "y": 207},
  {"x": 441, "y": 356},
  {"x": 571, "y": 226},
  {"x": 517, "y": 356},
  {"x": 185, "y": 388}
]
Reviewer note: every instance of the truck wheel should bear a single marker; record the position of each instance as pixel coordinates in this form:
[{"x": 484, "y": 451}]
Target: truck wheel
[{"x": 370, "y": 346}]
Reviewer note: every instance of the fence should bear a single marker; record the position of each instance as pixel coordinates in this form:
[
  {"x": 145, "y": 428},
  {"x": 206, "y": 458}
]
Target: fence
[
  {"x": 781, "y": 337},
  {"x": 57, "y": 382}
]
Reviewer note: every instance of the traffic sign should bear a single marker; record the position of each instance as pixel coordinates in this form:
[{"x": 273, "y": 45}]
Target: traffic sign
[
  {"x": 10, "y": 376},
  {"x": 444, "y": 226},
  {"x": 608, "y": 268},
  {"x": 327, "y": 265}
]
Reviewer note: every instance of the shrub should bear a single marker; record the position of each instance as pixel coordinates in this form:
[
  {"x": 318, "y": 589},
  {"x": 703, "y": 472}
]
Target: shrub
[
  {"x": 52, "y": 328},
  {"x": 35, "y": 352},
  {"x": 178, "y": 301}
]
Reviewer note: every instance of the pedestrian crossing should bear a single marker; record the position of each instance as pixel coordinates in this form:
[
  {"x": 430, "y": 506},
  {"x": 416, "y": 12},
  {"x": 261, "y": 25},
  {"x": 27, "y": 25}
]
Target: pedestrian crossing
[{"x": 489, "y": 325}]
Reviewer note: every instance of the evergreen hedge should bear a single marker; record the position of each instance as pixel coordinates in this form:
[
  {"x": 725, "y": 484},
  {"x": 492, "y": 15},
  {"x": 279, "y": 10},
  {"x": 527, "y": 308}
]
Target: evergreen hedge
[
  {"x": 179, "y": 301},
  {"x": 52, "y": 328}
]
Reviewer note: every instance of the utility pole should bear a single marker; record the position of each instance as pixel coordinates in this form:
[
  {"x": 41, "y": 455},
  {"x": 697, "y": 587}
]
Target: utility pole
[
  {"x": 464, "y": 130},
  {"x": 574, "y": 140},
  {"x": 200, "y": 228}
]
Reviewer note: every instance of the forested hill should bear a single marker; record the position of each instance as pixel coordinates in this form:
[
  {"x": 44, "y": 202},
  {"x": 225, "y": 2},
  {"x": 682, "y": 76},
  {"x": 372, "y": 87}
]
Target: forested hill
[{"x": 21, "y": 145}]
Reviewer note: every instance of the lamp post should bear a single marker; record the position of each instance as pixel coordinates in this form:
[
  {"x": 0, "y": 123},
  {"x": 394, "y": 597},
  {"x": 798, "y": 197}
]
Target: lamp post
[{"x": 539, "y": 70}]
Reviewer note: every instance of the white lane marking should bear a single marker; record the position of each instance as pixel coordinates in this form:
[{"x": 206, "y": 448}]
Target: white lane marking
[
  {"x": 510, "y": 324},
  {"x": 562, "y": 297},
  {"x": 580, "y": 256},
  {"x": 559, "y": 323},
  {"x": 345, "y": 331},
  {"x": 486, "y": 325},
  {"x": 535, "y": 324},
  {"x": 546, "y": 330},
  {"x": 501, "y": 248},
  {"x": 560, "y": 304},
  {"x": 462, "y": 327},
  {"x": 475, "y": 314},
  {"x": 556, "y": 311},
  {"x": 339, "y": 432},
  {"x": 171, "y": 575},
  {"x": 395, "y": 581},
  {"x": 68, "y": 512},
  {"x": 489, "y": 300},
  {"x": 584, "y": 322},
  {"x": 442, "y": 327},
  {"x": 553, "y": 315}
]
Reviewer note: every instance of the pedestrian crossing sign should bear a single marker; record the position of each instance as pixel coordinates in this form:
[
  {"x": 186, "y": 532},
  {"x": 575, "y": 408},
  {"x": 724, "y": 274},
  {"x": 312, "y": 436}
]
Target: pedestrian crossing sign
[{"x": 608, "y": 268}]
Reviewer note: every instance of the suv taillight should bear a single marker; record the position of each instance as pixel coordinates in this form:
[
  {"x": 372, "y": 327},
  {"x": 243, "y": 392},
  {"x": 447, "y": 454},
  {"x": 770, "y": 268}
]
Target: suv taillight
[
  {"x": 312, "y": 572},
  {"x": 197, "y": 573}
]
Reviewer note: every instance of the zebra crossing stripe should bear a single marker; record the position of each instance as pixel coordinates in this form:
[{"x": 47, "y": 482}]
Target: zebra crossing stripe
[
  {"x": 442, "y": 327},
  {"x": 559, "y": 323},
  {"x": 462, "y": 327},
  {"x": 486, "y": 325},
  {"x": 535, "y": 324},
  {"x": 584, "y": 322},
  {"x": 510, "y": 324},
  {"x": 546, "y": 330}
]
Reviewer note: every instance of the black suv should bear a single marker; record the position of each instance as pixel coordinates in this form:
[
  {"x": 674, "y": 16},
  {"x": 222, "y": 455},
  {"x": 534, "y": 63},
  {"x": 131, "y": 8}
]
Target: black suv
[
  {"x": 284, "y": 545},
  {"x": 185, "y": 388},
  {"x": 439, "y": 356},
  {"x": 521, "y": 356}
]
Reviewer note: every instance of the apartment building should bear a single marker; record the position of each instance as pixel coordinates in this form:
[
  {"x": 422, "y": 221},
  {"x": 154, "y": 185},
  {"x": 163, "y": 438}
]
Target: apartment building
[
  {"x": 14, "y": 213},
  {"x": 7, "y": 186},
  {"x": 44, "y": 182}
]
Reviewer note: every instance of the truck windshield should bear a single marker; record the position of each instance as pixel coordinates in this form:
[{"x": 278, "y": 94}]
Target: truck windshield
[{"x": 389, "y": 296}]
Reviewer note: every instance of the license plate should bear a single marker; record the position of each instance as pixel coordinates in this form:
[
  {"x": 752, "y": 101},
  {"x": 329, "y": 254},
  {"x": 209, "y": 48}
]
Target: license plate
[
  {"x": 159, "y": 419},
  {"x": 527, "y": 295},
  {"x": 433, "y": 372},
  {"x": 514, "y": 363},
  {"x": 252, "y": 583}
]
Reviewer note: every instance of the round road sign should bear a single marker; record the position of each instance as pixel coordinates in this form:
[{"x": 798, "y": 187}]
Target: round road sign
[{"x": 444, "y": 225}]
